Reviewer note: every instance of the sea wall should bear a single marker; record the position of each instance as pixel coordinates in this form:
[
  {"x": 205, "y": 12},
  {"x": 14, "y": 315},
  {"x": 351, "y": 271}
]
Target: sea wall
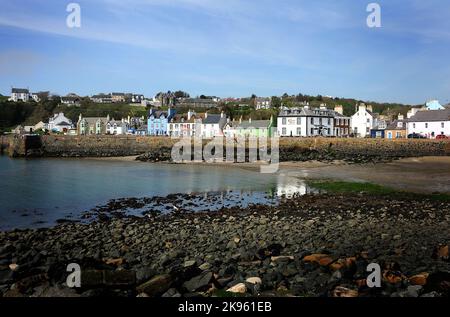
[{"x": 291, "y": 149}]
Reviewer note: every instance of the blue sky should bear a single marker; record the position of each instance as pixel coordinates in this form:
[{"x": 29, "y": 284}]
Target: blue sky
[{"x": 229, "y": 48}]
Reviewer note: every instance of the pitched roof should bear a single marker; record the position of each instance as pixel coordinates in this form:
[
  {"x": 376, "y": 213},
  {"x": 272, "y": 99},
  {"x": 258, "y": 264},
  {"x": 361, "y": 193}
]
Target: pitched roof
[
  {"x": 431, "y": 115},
  {"x": 213, "y": 119},
  {"x": 20, "y": 91},
  {"x": 394, "y": 125}
]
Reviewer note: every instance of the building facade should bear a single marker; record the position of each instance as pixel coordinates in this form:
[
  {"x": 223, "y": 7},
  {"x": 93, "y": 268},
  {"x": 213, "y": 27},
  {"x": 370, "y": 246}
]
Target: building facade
[
  {"x": 92, "y": 125},
  {"x": 213, "y": 125},
  {"x": 157, "y": 123},
  {"x": 430, "y": 123},
  {"x": 59, "y": 123},
  {"x": 20, "y": 94},
  {"x": 306, "y": 122}
]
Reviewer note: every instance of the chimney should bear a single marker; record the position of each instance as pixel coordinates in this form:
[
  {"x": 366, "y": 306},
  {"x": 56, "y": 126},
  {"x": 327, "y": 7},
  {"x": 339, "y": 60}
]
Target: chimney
[
  {"x": 362, "y": 107},
  {"x": 222, "y": 114},
  {"x": 129, "y": 119},
  {"x": 250, "y": 120},
  {"x": 206, "y": 114},
  {"x": 401, "y": 117},
  {"x": 240, "y": 119},
  {"x": 369, "y": 108},
  {"x": 339, "y": 109},
  {"x": 323, "y": 106}
]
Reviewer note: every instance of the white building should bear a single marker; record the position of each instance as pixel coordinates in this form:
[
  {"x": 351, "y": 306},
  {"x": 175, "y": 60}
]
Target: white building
[
  {"x": 114, "y": 127},
  {"x": 213, "y": 125},
  {"x": 430, "y": 123},
  {"x": 263, "y": 103},
  {"x": 306, "y": 122},
  {"x": 20, "y": 94},
  {"x": 185, "y": 125},
  {"x": 364, "y": 120},
  {"x": 59, "y": 123}
]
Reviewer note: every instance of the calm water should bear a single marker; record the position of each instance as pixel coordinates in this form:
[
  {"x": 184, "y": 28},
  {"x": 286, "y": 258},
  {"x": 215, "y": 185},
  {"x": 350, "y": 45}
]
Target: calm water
[{"x": 35, "y": 193}]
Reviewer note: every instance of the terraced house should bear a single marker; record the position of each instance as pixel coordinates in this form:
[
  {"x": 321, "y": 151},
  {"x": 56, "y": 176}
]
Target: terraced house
[
  {"x": 188, "y": 125},
  {"x": 306, "y": 122},
  {"x": 158, "y": 121},
  {"x": 92, "y": 125},
  {"x": 249, "y": 128}
]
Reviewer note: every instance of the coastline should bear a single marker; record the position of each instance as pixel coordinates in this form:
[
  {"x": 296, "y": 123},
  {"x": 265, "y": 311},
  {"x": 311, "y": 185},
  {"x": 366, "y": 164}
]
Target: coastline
[{"x": 295, "y": 249}]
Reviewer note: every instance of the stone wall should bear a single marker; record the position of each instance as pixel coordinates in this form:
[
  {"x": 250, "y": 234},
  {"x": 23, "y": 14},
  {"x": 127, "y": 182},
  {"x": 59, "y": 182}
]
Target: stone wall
[{"x": 291, "y": 149}]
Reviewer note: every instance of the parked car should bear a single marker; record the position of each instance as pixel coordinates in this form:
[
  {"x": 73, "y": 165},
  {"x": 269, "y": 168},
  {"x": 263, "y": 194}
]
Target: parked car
[
  {"x": 442, "y": 137},
  {"x": 416, "y": 136}
]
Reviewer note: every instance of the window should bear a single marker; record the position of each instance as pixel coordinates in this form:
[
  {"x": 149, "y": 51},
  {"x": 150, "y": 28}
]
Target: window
[
  {"x": 329, "y": 121},
  {"x": 329, "y": 131},
  {"x": 299, "y": 131},
  {"x": 367, "y": 129},
  {"x": 283, "y": 121},
  {"x": 312, "y": 120},
  {"x": 442, "y": 125},
  {"x": 368, "y": 120},
  {"x": 312, "y": 131},
  {"x": 283, "y": 131},
  {"x": 414, "y": 125},
  {"x": 398, "y": 135},
  {"x": 299, "y": 121},
  {"x": 426, "y": 125}
]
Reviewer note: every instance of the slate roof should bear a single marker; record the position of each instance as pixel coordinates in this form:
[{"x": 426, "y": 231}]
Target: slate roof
[
  {"x": 257, "y": 124},
  {"x": 394, "y": 125},
  {"x": 20, "y": 91},
  {"x": 431, "y": 115}
]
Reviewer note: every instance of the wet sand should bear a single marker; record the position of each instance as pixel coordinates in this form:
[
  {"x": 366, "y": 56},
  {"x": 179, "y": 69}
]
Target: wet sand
[{"x": 425, "y": 174}]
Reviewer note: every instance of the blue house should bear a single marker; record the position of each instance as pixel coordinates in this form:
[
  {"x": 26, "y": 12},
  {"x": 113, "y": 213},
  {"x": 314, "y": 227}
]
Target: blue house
[{"x": 157, "y": 122}]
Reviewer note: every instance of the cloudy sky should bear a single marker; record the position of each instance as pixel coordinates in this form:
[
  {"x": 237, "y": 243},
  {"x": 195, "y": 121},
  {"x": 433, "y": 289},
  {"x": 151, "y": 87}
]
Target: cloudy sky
[{"x": 229, "y": 48}]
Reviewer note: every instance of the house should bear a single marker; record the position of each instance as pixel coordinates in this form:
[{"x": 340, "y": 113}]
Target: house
[
  {"x": 20, "y": 94},
  {"x": 397, "y": 129},
  {"x": 365, "y": 120},
  {"x": 137, "y": 125},
  {"x": 101, "y": 98},
  {"x": 341, "y": 122},
  {"x": 188, "y": 125},
  {"x": 18, "y": 130},
  {"x": 59, "y": 123},
  {"x": 430, "y": 123},
  {"x": 434, "y": 105},
  {"x": 114, "y": 127},
  {"x": 92, "y": 125},
  {"x": 213, "y": 125},
  {"x": 117, "y": 97},
  {"x": 71, "y": 100},
  {"x": 158, "y": 121},
  {"x": 197, "y": 102},
  {"x": 134, "y": 98},
  {"x": 250, "y": 128},
  {"x": 263, "y": 103},
  {"x": 306, "y": 122}
]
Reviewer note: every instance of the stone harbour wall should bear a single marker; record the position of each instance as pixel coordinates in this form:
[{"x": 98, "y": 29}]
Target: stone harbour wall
[{"x": 291, "y": 149}]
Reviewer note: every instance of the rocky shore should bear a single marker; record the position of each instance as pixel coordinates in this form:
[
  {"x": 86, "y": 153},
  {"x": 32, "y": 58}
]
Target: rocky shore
[{"x": 314, "y": 245}]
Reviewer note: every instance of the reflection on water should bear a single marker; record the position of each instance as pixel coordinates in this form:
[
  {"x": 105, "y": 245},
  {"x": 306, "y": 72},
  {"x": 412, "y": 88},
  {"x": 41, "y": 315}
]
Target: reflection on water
[{"x": 35, "y": 193}]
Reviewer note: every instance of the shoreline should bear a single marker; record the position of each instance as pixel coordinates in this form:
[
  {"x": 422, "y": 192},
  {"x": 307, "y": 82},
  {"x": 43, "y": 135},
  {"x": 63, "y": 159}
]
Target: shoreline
[{"x": 317, "y": 246}]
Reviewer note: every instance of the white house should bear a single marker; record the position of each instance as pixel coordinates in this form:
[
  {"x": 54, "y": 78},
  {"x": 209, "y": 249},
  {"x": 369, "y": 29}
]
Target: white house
[
  {"x": 114, "y": 127},
  {"x": 434, "y": 105},
  {"x": 364, "y": 120},
  {"x": 306, "y": 122},
  {"x": 430, "y": 123},
  {"x": 20, "y": 94},
  {"x": 263, "y": 103},
  {"x": 185, "y": 125},
  {"x": 213, "y": 125},
  {"x": 59, "y": 123}
]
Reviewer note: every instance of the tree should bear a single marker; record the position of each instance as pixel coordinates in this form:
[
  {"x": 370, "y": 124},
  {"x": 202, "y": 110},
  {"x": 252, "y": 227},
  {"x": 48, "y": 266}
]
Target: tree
[{"x": 181, "y": 94}]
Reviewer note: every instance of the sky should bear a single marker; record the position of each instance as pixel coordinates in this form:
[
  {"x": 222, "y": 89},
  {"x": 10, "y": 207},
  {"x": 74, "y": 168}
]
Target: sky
[{"x": 229, "y": 48}]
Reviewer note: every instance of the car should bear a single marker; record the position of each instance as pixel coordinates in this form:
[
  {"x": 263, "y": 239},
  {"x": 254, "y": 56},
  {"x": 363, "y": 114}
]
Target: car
[
  {"x": 442, "y": 137},
  {"x": 416, "y": 136}
]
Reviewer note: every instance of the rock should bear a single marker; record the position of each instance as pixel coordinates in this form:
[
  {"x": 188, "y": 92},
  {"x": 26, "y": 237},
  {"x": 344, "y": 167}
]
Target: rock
[
  {"x": 419, "y": 279},
  {"x": 115, "y": 262},
  {"x": 254, "y": 280},
  {"x": 393, "y": 277},
  {"x": 189, "y": 264},
  {"x": 144, "y": 274},
  {"x": 205, "y": 266},
  {"x": 6, "y": 276},
  {"x": 315, "y": 258},
  {"x": 198, "y": 282},
  {"x": 172, "y": 292},
  {"x": 13, "y": 267},
  {"x": 277, "y": 259},
  {"x": 441, "y": 253},
  {"x": 240, "y": 288},
  {"x": 341, "y": 291},
  {"x": 431, "y": 294},
  {"x": 121, "y": 278},
  {"x": 156, "y": 286},
  {"x": 413, "y": 290},
  {"x": 55, "y": 291}
]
